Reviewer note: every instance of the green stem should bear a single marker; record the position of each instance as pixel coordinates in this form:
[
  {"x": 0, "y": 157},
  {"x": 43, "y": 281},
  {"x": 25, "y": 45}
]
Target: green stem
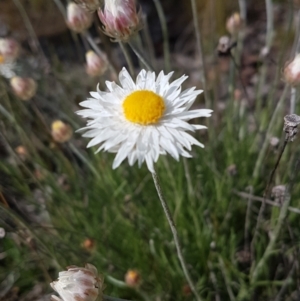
[
  {"x": 140, "y": 56},
  {"x": 175, "y": 235},
  {"x": 127, "y": 58},
  {"x": 264, "y": 147},
  {"x": 199, "y": 48},
  {"x": 24, "y": 225},
  {"x": 165, "y": 33},
  {"x": 85, "y": 160},
  {"x": 273, "y": 238}
]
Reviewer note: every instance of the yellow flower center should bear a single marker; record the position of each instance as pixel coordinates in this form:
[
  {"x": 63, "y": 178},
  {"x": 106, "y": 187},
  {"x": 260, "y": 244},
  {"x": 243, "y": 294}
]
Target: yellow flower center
[
  {"x": 143, "y": 107},
  {"x": 1, "y": 59}
]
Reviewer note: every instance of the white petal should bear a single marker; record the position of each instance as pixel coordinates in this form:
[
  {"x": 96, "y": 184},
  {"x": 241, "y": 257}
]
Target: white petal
[
  {"x": 126, "y": 80},
  {"x": 194, "y": 114},
  {"x": 122, "y": 154}
]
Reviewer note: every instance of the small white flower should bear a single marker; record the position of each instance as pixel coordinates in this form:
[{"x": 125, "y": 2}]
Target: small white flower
[
  {"x": 78, "y": 284},
  {"x": 144, "y": 119}
]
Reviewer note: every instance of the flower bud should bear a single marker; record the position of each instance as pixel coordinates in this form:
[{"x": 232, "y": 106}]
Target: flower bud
[
  {"x": 292, "y": 72},
  {"x": 9, "y": 48},
  {"x": 95, "y": 64},
  {"x": 22, "y": 152},
  {"x": 132, "y": 278},
  {"x": 89, "y": 5},
  {"x": 120, "y": 19},
  {"x": 60, "y": 131},
  {"x": 89, "y": 244},
  {"x": 2, "y": 232},
  {"x": 234, "y": 24},
  {"x": 82, "y": 284},
  {"x": 78, "y": 19},
  {"x": 186, "y": 290},
  {"x": 24, "y": 87}
]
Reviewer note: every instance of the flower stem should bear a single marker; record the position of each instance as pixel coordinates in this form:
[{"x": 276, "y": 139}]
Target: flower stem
[
  {"x": 127, "y": 58},
  {"x": 165, "y": 33},
  {"x": 200, "y": 51},
  {"x": 96, "y": 48},
  {"x": 175, "y": 235},
  {"x": 264, "y": 147},
  {"x": 140, "y": 56}
]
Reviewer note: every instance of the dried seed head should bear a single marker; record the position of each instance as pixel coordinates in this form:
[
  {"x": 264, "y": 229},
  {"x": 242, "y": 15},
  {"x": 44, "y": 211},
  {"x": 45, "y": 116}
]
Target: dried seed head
[
  {"x": 224, "y": 45},
  {"x": 78, "y": 19},
  {"x": 243, "y": 256},
  {"x": 96, "y": 65},
  {"x": 60, "y": 131},
  {"x": 290, "y": 126},
  {"x": 279, "y": 192},
  {"x": 232, "y": 170},
  {"x": 24, "y": 87}
]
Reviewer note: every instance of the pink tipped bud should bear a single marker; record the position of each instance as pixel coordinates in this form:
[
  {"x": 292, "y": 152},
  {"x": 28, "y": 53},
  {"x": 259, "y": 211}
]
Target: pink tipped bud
[
  {"x": 234, "y": 24},
  {"x": 95, "y": 64},
  {"x": 78, "y": 19},
  {"x": 77, "y": 283},
  {"x": 24, "y": 88},
  {"x": 9, "y": 48},
  {"x": 89, "y": 5},
  {"x": 60, "y": 131},
  {"x": 120, "y": 19},
  {"x": 292, "y": 72}
]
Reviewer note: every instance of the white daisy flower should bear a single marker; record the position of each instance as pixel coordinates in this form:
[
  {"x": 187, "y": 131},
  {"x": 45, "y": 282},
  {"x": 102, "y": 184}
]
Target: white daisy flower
[{"x": 144, "y": 119}]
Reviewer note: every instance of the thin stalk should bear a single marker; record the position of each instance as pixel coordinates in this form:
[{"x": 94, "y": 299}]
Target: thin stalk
[
  {"x": 273, "y": 238},
  {"x": 61, "y": 8},
  {"x": 84, "y": 160},
  {"x": 247, "y": 219},
  {"x": 226, "y": 278},
  {"x": 249, "y": 196},
  {"x": 165, "y": 34},
  {"x": 33, "y": 234},
  {"x": 175, "y": 235},
  {"x": 35, "y": 42},
  {"x": 295, "y": 52},
  {"x": 293, "y": 100},
  {"x": 265, "y": 196},
  {"x": 199, "y": 48},
  {"x": 140, "y": 56},
  {"x": 109, "y": 298},
  {"x": 266, "y": 49},
  {"x": 96, "y": 48},
  {"x": 288, "y": 281},
  {"x": 264, "y": 147},
  {"x": 270, "y": 24},
  {"x": 243, "y": 10},
  {"x": 149, "y": 41},
  {"x": 127, "y": 58},
  {"x": 214, "y": 281}
]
